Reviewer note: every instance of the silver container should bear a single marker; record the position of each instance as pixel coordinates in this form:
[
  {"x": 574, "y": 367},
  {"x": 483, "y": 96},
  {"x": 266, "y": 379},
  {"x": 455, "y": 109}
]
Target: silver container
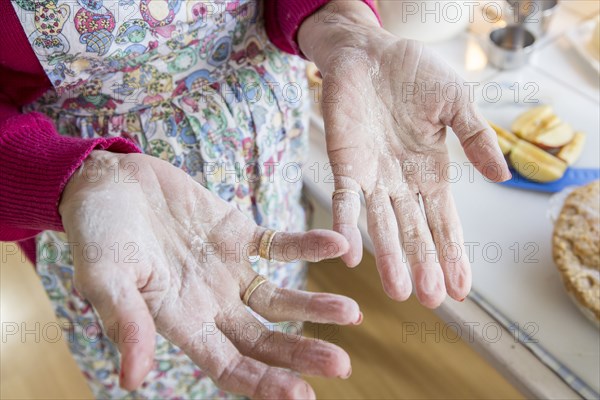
[
  {"x": 510, "y": 47},
  {"x": 535, "y": 15}
]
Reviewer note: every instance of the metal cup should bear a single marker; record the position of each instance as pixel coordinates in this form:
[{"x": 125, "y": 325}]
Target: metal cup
[
  {"x": 535, "y": 15},
  {"x": 510, "y": 47}
]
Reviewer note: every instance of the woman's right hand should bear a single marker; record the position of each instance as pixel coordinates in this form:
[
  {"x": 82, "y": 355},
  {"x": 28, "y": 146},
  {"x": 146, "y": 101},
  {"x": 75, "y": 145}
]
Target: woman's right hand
[{"x": 154, "y": 251}]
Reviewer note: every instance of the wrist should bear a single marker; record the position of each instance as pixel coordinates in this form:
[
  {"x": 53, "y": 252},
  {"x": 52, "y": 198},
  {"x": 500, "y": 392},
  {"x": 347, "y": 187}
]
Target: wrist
[
  {"x": 337, "y": 25},
  {"x": 95, "y": 172}
]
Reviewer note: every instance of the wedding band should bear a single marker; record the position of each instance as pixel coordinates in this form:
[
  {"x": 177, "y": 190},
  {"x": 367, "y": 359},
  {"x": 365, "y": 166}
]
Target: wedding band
[
  {"x": 340, "y": 191},
  {"x": 266, "y": 240},
  {"x": 256, "y": 282}
]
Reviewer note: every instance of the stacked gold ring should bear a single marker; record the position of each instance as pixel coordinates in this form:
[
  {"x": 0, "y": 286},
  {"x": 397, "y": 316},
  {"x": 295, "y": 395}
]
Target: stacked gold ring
[
  {"x": 340, "y": 191},
  {"x": 256, "y": 282},
  {"x": 266, "y": 240}
]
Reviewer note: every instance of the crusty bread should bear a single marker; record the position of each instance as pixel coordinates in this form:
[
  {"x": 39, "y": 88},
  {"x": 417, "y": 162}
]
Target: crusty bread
[{"x": 576, "y": 246}]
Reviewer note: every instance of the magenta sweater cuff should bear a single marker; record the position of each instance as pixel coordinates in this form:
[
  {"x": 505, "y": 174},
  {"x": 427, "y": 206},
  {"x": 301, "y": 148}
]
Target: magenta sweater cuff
[
  {"x": 283, "y": 18},
  {"x": 35, "y": 165}
]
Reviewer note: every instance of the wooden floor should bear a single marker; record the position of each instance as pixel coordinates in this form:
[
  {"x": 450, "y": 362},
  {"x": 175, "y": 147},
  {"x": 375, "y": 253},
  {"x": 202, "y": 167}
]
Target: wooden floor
[
  {"x": 385, "y": 364},
  {"x": 390, "y": 363},
  {"x": 33, "y": 365}
]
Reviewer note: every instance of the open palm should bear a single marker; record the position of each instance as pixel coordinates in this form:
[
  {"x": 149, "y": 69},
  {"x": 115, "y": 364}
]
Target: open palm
[
  {"x": 183, "y": 272},
  {"x": 386, "y": 107}
]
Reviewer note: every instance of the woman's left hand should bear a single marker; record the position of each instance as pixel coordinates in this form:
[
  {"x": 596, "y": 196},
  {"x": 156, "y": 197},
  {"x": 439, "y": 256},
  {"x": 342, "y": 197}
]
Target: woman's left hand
[{"x": 386, "y": 105}]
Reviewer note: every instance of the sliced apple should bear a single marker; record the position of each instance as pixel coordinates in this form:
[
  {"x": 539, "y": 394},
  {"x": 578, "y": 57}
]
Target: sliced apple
[
  {"x": 505, "y": 145},
  {"x": 536, "y": 164},
  {"x": 313, "y": 74},
  {"x": 571, "y": 152},
  {"x": 528, "y": 123},
  {"x": 549, "y": 122},
  {"x": 555, "y": 137},
  {"x": 506, "y": 139}
]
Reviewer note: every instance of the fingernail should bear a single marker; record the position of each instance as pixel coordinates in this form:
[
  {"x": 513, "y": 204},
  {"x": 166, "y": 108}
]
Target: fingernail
[
  {"x": 463, "y": 299},
  {"x": 360, "y": 318},
  {"x": 349, "y": 373}
]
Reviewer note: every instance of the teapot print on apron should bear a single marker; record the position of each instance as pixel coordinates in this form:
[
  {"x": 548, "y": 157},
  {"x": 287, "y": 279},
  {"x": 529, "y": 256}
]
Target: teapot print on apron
[
  {"x": 95, "y": 23},
  {"x": 49, "y": 20}
]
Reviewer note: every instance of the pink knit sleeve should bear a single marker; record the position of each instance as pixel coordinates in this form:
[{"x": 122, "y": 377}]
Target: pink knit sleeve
[
  {"x": 35, "y": 165},
  {"x": 284, "y": 17}
]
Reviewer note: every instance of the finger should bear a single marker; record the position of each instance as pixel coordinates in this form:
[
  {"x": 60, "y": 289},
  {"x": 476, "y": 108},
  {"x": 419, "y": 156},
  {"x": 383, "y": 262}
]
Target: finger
[
  {"x": 211, "y": 350},
  {"x": 346, "y": 210},
  {"x": 419, "y": 251},
  {"x": 446, "y": 229},
  {"x": 287, "y": 350},
  {"x": 479, "y": 142},
  {"x": 314, "y": 245},
  {"x": 278, "y": 305},
  {"x": 383, "y": 230},
  {"x": 126, "y": 321}
]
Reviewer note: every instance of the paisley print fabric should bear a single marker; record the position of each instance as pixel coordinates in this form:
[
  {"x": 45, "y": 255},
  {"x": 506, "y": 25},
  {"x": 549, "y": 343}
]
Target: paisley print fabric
[{"x": 195, "y": 83}]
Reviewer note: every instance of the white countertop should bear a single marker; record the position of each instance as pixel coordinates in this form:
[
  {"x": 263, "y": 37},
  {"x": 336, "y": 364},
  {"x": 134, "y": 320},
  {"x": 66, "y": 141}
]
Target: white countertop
[{"x": 525, "y": 291}]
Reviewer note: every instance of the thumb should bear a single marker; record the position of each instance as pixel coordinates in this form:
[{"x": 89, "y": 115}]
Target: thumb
[
  {"x": 127, "y": 322},
  {"x": 479, "y": 141}
]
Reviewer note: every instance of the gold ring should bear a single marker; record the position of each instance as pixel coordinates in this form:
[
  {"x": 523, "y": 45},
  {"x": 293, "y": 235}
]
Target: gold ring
[
  {"x": 266, "y": 240},
  {"x": 256, "y": 282},
  {"x": 340, "y": 191}
]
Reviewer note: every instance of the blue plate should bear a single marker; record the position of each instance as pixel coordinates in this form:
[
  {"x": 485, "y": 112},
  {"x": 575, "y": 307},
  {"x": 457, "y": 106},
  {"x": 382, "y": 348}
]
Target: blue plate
[{"x": 572, "y": 177}]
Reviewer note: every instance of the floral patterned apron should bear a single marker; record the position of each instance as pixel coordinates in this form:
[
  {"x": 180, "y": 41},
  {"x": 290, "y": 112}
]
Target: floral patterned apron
[{"x": 196, "y": 83}]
